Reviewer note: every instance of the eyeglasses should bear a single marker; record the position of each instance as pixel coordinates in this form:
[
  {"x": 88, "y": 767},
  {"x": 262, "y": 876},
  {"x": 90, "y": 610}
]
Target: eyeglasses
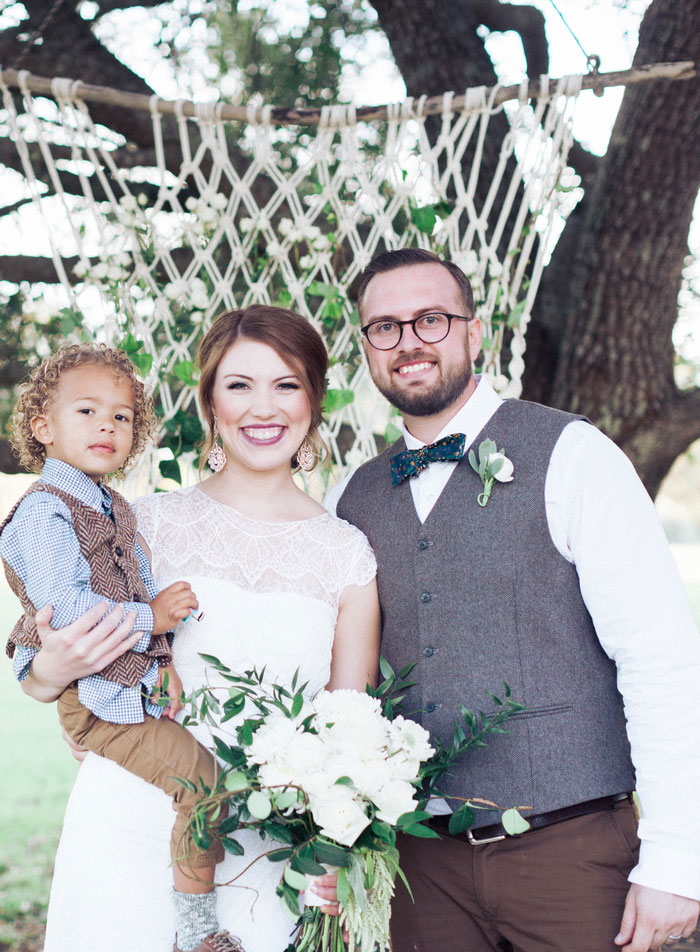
[{"x": 429, "y": 328}]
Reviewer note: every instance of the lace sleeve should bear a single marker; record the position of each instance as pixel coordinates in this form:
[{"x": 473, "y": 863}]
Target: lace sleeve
[
  {"x": 146, "y": 509},
  {"x": 362, "y": 565}
]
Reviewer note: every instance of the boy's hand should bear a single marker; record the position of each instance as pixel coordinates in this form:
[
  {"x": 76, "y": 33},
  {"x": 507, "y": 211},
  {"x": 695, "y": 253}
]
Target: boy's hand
[
  {"x": 170, "y": 687},
  {"x": 170, "y": 606}
]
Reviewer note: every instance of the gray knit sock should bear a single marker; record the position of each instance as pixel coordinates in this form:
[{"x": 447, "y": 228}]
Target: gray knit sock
[{"x": 195, "y": 918}]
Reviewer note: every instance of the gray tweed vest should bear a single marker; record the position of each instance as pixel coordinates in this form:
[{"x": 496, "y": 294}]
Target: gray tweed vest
[{"x": 477, "y": 596}]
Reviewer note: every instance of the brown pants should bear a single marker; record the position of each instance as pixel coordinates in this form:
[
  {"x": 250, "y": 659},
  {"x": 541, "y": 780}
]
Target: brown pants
[
  {"x": 557, "y": 889},
  {"x": 157, "y": 750}
]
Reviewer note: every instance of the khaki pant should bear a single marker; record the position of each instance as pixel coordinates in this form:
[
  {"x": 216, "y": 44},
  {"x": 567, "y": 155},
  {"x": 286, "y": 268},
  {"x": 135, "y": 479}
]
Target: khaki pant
[
  {"x": 561, "y": 888},
  {"x": 155, "y": 750}
]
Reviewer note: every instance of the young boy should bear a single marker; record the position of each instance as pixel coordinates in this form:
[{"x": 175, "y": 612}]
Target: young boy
[{"x": 72, "y": 543}]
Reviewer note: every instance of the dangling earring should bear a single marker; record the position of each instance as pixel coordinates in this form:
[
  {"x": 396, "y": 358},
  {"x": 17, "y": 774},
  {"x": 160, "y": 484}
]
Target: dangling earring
[
  {"x": 217, "y": 457},
  {"x": 305, "y": 456}
]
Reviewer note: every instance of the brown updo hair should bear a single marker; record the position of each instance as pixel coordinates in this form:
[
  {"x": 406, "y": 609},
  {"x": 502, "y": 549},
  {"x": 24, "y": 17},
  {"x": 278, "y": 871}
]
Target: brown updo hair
[{"x": 290, "y": 335}]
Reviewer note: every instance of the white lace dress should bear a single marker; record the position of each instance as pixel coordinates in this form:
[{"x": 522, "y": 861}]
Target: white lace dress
[{"x": 270, "y": 594}]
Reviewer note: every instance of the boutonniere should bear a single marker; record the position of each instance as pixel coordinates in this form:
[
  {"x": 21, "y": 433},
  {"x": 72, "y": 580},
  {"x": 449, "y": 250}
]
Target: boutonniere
[{"x": 493, "y": 464}]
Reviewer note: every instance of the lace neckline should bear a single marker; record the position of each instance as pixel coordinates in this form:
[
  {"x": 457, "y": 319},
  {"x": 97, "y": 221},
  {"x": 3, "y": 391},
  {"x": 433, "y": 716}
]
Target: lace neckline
[{"x": 252, "y": 519}]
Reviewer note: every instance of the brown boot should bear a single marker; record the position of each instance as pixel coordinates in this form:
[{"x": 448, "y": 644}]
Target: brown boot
[{"x": 221, "y": 941}]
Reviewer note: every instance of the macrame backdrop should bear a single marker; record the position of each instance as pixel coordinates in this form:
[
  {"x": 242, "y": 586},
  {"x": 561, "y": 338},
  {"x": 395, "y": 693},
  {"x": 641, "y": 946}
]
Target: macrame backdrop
[{"x": 262, "y": 212}]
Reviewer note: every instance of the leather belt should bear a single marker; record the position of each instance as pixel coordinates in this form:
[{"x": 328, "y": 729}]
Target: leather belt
[{"x": 495, "y": 832}]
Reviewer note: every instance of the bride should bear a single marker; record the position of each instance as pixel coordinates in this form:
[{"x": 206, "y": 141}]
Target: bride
[{"x": 281, "y": 584}]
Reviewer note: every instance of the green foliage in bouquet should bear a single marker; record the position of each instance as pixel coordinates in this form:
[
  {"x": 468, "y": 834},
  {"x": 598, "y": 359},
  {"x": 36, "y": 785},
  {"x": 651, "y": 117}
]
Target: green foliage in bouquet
[{"x": 294, "y": 771}]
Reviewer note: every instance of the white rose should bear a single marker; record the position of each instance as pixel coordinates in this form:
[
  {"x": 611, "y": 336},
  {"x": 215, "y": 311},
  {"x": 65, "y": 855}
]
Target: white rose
[
  {"x": 394, "y": 799},
  {"x": 80, "y": 270},
  {"x": 503, "y": 471},
  {"x": 246, "y": 224},
  {"x": 285, "y": 226},
  {"x": 339, "y": 815},
  {"x": 99, "y": 272},
  {"x": 274, "y": 249},
  {"x": 306, "y": 262}
]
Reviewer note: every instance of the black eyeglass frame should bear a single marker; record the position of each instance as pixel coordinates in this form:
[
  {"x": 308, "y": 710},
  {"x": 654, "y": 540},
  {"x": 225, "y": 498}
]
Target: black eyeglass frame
[{"x": 401, "y": 324}]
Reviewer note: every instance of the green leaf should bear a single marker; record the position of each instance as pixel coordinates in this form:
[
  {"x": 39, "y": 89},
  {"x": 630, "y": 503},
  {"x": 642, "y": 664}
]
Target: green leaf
[
  {"x": 284, "y": 799},
  {"x": 330, "y": 854},
  {"x": 294, "y": 879},
  {"x": 516, "y": 314},
  {"x": 343, "y": 887},
  {"x": 170, "y": 469},
  {"x": 259, "y": 805},
  {"x": 513, "y": 822},
  {"x": 461, "y": 819},
  {"x": 290, "y": 901},
  {"x": 229, "y": 824},
  {"x": 184, "y": 371},
  {"x": 337, "y": 399},
  {"x": 304, "y": 863},
  {"x": 232, "y": 846},
  {"x": 424, "y": 218},
  {"x": 424, "y": 832},
  {"x": 230, "y": 755},
  {"x": 297, "y": 703},
  {"x": 386, "y": 669},
  {"x": 236, "y": 781},
  {"x": 142, "y": 362}
]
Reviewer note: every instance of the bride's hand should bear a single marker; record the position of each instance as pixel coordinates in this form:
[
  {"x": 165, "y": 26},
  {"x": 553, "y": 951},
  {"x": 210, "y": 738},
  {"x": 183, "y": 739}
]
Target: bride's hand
[
  {"x": 79, "y": 753},
  {"x": 326, "y": 887}
]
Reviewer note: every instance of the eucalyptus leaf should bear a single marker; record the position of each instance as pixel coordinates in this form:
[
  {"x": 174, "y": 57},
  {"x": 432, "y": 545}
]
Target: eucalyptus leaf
[
  {"x": 259, "y": 805},
  {"x": 513, "y": 822}
]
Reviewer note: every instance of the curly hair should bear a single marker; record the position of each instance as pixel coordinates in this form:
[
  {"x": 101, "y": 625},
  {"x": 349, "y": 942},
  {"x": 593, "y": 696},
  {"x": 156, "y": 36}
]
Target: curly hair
[{"x": 36, "y": 394}]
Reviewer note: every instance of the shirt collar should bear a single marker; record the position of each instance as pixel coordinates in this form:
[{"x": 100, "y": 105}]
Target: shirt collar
[
  {"x": 469, "y": 419},
  {"x": 71, "y": 480}
]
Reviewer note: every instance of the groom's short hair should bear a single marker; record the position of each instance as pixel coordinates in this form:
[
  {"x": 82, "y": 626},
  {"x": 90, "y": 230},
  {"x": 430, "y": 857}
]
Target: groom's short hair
[{"x": 404, "y": 258}]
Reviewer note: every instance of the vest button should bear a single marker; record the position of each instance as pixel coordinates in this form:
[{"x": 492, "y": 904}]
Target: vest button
[
  {"x": 425, "y": 596},
  {"x": 423, "y": 544},
  {"x": 118, "y": 551},
  {"x": 428, "y": 652},
  {"x": 430, "y": 707}
]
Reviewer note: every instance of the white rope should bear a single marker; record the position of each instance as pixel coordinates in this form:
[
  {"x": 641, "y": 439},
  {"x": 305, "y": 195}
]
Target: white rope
[{"x": 297, "y": 216}]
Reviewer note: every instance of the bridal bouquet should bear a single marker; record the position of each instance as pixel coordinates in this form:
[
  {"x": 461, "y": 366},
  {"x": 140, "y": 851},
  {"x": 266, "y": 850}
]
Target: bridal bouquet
[{"x": 330, "y": 781}]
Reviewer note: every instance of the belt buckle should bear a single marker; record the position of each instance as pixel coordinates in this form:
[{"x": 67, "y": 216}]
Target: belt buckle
[{"x": 487, "y": 839}]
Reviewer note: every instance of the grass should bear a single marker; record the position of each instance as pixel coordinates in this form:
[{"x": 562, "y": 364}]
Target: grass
[
  {"x": 36, "y": 777},
  {"x": 38, "y": 772}
]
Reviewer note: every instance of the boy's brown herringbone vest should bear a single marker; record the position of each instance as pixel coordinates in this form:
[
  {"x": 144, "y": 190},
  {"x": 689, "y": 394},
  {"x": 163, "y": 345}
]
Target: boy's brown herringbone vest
[{"x": 107, "y": 545}]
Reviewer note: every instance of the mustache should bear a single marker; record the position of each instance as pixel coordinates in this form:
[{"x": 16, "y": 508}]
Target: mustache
[{"x": 416, "y": 355}]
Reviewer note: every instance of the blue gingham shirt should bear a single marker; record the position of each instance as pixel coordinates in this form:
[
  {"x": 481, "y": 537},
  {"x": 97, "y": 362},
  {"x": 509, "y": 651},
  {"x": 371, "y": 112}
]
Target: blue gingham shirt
[{"x": 40, "y": 546}]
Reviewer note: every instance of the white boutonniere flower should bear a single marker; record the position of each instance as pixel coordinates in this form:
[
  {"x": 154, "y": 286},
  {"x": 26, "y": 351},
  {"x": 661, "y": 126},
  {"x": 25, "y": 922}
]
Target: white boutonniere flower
[{"x": 492, "y": 465}]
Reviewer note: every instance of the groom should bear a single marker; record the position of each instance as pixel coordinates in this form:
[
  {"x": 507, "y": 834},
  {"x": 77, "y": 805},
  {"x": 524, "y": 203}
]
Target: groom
[{"x": 562, "y": 585}]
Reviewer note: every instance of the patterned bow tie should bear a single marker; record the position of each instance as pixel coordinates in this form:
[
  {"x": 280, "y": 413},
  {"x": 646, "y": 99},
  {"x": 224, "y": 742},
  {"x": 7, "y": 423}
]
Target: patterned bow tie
[{"x": 413, "y": 462}]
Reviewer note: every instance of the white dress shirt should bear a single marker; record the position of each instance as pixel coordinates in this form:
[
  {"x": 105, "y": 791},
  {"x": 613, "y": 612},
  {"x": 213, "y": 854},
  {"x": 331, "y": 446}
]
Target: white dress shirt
[{"x": 602, "y": 520}]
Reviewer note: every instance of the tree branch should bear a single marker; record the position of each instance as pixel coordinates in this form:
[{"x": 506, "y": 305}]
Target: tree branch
[
  {"x": 527, "y": 21},
  {"x": 656, "y": 443}
]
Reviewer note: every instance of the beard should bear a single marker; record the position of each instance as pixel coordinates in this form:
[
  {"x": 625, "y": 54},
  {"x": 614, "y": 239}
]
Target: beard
[{"x": 429, "y": 402}]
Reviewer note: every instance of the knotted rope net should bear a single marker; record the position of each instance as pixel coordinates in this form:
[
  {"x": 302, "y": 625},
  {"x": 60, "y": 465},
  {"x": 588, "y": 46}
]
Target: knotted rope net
[{"x": 228, "y": 212}]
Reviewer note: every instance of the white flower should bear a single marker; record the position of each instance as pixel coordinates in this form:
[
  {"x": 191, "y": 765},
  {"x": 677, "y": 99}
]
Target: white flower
[
  {"x": 410, "y": 738},
  {"x": 321, "y": 243},
  {"x": 173, "y": 290},
  {"x": 128, "y": 203},
  {"x": 306, "y": 262},
  {"x": 274, "y": 249},
  {"x": 495, "y": 269},
  {"x": 142, "y": 199},
  {"x": 339, "y": 815},
  {"x": 285, "y": 226},
  {"x": 99, "y": 272},
  {"x": 246, "y": 224},
  {"x": 501, "y": 467},
  {"x": 197, "y": 295},
  {"x": 80, "y": 270},
  {"x": 116, "y": 273},
  {"x": 219, "y": 201},
  {"x": 394, "y": 799}
]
